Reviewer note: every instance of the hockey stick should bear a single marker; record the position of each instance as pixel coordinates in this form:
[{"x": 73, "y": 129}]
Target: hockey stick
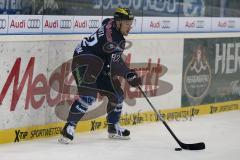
[{"x": 194, "y": 146}]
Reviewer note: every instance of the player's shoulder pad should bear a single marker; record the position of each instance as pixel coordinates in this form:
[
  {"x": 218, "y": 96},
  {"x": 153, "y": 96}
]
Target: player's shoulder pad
[{"x": 105, "y": 21}]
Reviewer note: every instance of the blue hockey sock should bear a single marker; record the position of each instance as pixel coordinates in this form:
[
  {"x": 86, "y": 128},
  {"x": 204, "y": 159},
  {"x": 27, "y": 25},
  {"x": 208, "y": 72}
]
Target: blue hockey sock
[
  {"x": 114, "y": 116},
  {"x": 79, "y": 108},
  {"x": 76, "y": 112}
]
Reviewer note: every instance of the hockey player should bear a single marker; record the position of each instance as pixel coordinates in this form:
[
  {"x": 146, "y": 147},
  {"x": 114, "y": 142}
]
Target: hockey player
[{"x": 107, "y": 45}]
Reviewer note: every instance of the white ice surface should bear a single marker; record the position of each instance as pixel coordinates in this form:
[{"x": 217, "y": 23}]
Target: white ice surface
[{"x": 150, "y": 141}]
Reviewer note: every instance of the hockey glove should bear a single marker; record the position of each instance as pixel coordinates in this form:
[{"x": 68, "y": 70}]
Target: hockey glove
[{"x": 133, "y": 79}]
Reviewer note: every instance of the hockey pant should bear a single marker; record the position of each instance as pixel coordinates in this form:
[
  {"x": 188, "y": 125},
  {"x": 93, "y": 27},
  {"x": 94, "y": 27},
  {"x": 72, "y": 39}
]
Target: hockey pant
[{"x": 104, "y": 85}]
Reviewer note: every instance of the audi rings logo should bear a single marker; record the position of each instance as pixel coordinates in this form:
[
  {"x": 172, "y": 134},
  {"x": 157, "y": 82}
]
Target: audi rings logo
[
  {"x": 3, "y": 23},
  {"x": 65, "y": 23},
  {"x": 165, "y": 24},
  {"x": 33, "y": 23},
  {"x": 200, "y": 24},
  {"x": 231, "y": 24},
  {"x": 93, "y": 24}
]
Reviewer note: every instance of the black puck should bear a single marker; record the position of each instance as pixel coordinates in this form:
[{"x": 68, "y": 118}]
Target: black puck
[{"x": 178, "y": 149}]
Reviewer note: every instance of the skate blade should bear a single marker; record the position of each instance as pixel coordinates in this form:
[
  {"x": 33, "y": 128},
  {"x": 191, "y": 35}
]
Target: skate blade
[
  {"x": 116, "y": 136},
  {"x": 64, "y": 140}
]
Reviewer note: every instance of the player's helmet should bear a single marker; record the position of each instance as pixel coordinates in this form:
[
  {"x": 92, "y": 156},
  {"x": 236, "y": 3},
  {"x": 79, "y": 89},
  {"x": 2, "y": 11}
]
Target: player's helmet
[{"x": 123, "y": 14}]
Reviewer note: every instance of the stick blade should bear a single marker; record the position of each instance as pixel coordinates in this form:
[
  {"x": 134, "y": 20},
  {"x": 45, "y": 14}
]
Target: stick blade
[{"x": 194, "y": 146}]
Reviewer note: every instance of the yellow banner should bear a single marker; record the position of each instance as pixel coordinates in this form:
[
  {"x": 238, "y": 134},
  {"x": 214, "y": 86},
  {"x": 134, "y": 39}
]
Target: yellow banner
[{"x": 177, "y": 114}]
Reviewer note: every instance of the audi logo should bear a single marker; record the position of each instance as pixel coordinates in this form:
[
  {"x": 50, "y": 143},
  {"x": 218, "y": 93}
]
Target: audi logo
[
  {"x": 165, "y": 24},
  {"x": 65, "y": 24},
  {"x": 3, "y": 23},
  {"x": 200, "y": 24},
  {"x": 231, "y": 24},
  {"x": 33, "y": 23},
  {"x": 93, "y": 24}
]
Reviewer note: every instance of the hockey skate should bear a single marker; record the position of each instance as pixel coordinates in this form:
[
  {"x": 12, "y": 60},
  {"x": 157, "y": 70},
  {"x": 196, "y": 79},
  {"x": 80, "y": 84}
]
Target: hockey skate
[
  {"x": 116, "y": 132},
  {"x": 67, "y": 134}
]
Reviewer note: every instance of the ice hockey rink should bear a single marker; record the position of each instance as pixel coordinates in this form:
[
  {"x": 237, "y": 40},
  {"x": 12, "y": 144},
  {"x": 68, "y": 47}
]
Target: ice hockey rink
[{"x": 220, "y": 132}]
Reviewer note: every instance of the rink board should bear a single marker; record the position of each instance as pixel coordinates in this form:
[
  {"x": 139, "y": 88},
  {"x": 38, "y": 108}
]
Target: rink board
[
  {"x": 28, "y": 103},
  {"x": 29, "y": 75},
  {"x": 179, "y": 114}
]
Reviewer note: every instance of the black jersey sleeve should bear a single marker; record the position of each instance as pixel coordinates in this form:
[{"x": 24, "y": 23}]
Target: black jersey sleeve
[{"x": 120, "y": 68}]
